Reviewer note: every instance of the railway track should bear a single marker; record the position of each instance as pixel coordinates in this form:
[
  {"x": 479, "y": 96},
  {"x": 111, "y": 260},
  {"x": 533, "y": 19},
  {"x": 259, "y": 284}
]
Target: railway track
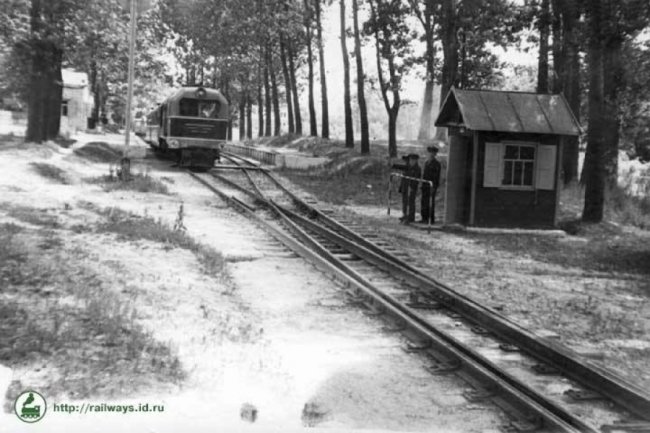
[{"x": 540, "y": 384}]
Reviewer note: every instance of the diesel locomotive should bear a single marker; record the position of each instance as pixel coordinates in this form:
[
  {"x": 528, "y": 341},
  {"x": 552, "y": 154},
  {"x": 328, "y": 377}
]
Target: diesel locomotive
[{"x": 192, "y": 124}]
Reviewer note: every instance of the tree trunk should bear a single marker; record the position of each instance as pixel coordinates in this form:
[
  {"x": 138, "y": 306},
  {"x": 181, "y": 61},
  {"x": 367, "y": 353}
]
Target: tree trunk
[
  {"x": 450, "y": 54},
  {"x": 242, "y": 116},
  {"x": 94, "y": 86},
  {"x": 294, "y": 89},
  {"x": 613, "y": 76},
  {"x": 424, "y": 132},
  {"x": 260, "y": 108},
  {"x": 36, "y": 104},
  {"x": 392, "y": 110},
  {"x": 593, "y": 174},
  {"x": 325, "y": 126},
  {"x": 287, "y": 85},
  {"x": 313, "y": 128},
  {"x": 349, "y": 133},
  {"x": 542, "y": 62},
  {"x": 267, "y": 97},
  {"x": 249, "y": 117},
  {"x": 392, "y": 134},
  {"x": 276, "y": 99},
  {"x": 363, "y": 111},
  {"x": 566, "y": 65},
  {"x": 55, "y": 94}
]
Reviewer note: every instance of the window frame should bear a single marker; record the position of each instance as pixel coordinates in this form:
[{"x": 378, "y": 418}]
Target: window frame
[{"x": 532, "y": 144}]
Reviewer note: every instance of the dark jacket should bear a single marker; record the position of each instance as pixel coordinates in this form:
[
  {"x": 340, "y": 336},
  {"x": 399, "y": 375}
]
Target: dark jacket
[
  {"x": 431, "y": 173},
  {"x": 412, "y": 171}
]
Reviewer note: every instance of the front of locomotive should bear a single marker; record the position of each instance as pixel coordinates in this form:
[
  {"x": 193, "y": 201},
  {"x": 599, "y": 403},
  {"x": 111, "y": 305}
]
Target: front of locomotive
[{"x": 198, "y": 125}]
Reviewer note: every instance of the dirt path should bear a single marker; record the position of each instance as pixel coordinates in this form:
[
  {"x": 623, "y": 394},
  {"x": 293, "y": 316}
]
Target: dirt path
[{"x": 269, "y": 331}]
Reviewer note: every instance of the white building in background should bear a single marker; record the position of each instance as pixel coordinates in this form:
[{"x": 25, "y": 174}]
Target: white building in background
[{"x": 77, "y": 102}]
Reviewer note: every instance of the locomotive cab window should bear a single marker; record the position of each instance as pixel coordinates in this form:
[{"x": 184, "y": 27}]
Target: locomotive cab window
[{"x": 199, "y": 108}]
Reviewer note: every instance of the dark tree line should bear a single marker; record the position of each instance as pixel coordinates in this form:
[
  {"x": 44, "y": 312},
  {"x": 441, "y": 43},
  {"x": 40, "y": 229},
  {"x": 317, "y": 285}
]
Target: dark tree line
[{"x": 263, "y": 54}]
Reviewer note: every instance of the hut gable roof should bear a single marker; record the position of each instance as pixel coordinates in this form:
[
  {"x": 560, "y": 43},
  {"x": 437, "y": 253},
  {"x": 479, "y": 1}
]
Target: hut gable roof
[{"x": 489, "y": 110}]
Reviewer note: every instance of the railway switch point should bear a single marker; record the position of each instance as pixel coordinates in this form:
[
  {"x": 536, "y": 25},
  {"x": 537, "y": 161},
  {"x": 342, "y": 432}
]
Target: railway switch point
[
  {"x": 545, "y": 369},
  {"x": 582, "y": 394},
  {"x": 508, "y": 347},
  {"x": 479, "y": 330}
]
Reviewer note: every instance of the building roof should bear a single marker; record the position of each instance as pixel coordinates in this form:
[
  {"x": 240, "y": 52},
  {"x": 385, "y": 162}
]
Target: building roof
[
  {"x": 74, "y": 79},
  {"x": 489, "y": 110}
]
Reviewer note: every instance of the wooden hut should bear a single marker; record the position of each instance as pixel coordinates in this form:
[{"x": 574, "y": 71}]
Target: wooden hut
[{"x": 505, "y": 151}]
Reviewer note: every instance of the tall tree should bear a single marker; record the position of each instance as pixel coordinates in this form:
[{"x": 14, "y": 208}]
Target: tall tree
[
  {"x": 325, "y": 122},
  {"x": 361, "y": 79},
  {"x": 313, "y": 128},
  {"x": 267, "y": 93},
  {"x": 260, "y": 107},
  {"x": 448, "y": 30},
  {"x": 294, "y": 88},
  {"x": 566, "y": 68},
  {"x": 618, "y": 21},
  {"x": 347, "y": 105},
  {"x": 425, "y": 13},
  {"x": 46, "y": 42},
  {"x": 392, "y": 36},
  {"x": 466, "y": 30},
  {"x": 594, "y": 173},
  {"x": 287, "y": 85},
  {"x": 275, "y": 96},
  {"x": 544, "y": 26}
]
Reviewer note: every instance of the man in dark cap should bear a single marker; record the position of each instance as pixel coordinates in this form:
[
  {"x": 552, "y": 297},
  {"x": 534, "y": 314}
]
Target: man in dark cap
[
  {"x": 409, "y": 187},
  {"x": 431, "y": 173}
]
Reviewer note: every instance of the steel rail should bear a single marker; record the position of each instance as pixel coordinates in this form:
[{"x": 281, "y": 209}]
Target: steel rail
[
  {"x": 587, "y": 374},
  {"x": 572, "y": 365},
  {"x": 475, "y": 364}
]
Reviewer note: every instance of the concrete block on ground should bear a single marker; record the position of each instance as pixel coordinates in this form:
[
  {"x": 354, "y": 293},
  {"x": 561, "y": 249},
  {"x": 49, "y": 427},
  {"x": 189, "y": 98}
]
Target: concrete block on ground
[{"x": 301, "y": 162}]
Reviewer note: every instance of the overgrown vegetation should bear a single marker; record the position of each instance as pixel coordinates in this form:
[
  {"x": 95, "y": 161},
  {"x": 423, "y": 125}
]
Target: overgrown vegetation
[
  {"x": 623, "y": 207},
  {"x": 139, "y": 182},
  {"x": 50, "y": 171},
  {"x": 130, "y": 226},
  {"x": 98, "y": 151},
  {"x": 605, "y": 249},
  {"x": 70, "y": 319}
]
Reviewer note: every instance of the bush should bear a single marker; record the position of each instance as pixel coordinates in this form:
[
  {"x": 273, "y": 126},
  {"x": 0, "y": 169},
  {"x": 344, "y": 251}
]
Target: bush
[{"x": 51, "y": 172}]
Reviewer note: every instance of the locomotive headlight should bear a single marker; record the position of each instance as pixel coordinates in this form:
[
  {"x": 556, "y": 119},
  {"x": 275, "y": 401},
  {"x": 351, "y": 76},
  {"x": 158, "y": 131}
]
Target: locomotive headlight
[
  {"x": 200, "y": 93},
  {"x": 173, "y": 143}
]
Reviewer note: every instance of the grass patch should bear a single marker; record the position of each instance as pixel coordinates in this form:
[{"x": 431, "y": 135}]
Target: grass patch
[
  {"x": 98, "y": 151},
  {"x": 66, "y": 318},
  {"x": 130, "y": 226},
  {"x": 628, "y": 209},
  {"x": 64, "y": 141},
  {"x": 602, "y": 252},
  {"x": 621, "y": 206},
  {"x": 362, "y": 180},
  {"x": 50, "y": 171},
  {"x": 38, "y": 217},
  {"x": 140, "y": 182}
]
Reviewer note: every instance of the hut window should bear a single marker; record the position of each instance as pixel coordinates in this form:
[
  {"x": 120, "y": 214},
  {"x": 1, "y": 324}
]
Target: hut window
[{"x": 518, "y": 165}]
